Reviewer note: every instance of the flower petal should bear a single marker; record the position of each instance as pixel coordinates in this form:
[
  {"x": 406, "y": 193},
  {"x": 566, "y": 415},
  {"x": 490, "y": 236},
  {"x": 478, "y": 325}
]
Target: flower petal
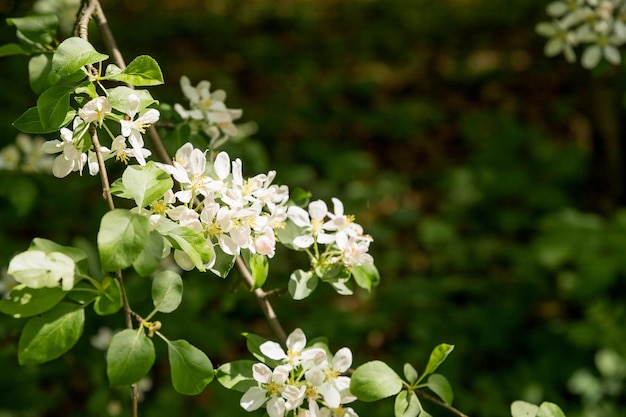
[
  {"x": 221, "y": 165},
  {"x": 253, "y": 399},
  {"x": 272, "y": 350},
  {"x": 296, "y": 341}
]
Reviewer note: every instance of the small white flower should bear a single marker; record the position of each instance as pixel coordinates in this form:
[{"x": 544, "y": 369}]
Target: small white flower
[
  {"x": 95, "y": 110},
  {"x": 328, "y": 379},
  {"x": 134, "y": 128},
  {"x": 296, "y": 353},
  {"x": 71, "y": 159},
  {"x": 272, "y": 385}
]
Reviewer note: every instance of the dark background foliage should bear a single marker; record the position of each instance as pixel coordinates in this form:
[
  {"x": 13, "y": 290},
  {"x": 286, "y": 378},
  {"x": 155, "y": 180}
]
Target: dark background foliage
[{"x": 490, "y": 177}]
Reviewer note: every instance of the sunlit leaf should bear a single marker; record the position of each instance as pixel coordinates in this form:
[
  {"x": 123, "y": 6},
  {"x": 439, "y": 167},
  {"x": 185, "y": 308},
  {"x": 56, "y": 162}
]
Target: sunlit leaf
[
  {"x": 406, "y": 404},
  {"x": 37, "y": 269},
  {"x": 121, "y": 238},
  {"x": 146, "y": 183},
  {"x": 73, "y": 54},
  {"x": 374, "y": 381},
  {"x": 301, "y": 284},
  {"x": 439, "y": 385},
  {"x": 437, "y": 356},
  {"x": 142, "y": 71},
  {"x": 237, "y": 375}
]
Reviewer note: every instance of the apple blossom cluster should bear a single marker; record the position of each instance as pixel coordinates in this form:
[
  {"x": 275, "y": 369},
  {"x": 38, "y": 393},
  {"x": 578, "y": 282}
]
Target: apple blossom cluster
[
  {"x": 207, "y": 112},
  {"x": 75, "y": 144},
  {"x": 25, "y": 155},
  {"x": 308, "y": 381},
  {"x": 598, "y": 24},
  {"x": 214, "y": 198},
  {"x": 235, "y": 213},
  {"x": 345, "y": 240}
]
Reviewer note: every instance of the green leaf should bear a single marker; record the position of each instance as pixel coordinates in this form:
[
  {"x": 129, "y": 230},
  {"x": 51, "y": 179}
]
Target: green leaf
[
  {"x": 129, "y": 357},
  {"x": 410, "y": 373},
  {"x": 300, "y": 197},
  {"x": 192, "y": 370},
  {"x": 110, "y": 300},
  {"x": 12, "y": 49},
  {"x": 29, "y": 121},
  {"x": 146, "y": 183},
  {"x": 374, "y": 381},
  {"x": 193, "y": 243},
  {"x": 52, "y": 334},
  {"x": 366, "y": 276},
  {"x": 118, "y": 97},
  {"x": 253, "y": 343},
  {"x": 73, "y": 54},
  {"x": 523, "y": 409},
  {"x": 223, "y": 262},
  {"x": 547, "y": 409},
  {"x": 332, "y": 272},
  {"x": 53, "y": 105},
  {"x": 118, "y": 190},
  {"x": 86, "y": 87},
  {"x": 37, "y": 29},
  {"x": 40, "y": 74},
  {"x": 406, "y": 405},
  {"x": 27, "y": 302},
  {"x": 142, "y": 71},
  {"x": 237, "y": 375},
  {"x": 259, "y": 268},
  {"x": 37, "y": 269},
  {"x": 287, "y": 234},
  {"x": 438, "y": 384},
  {"x": 301, "y": 284},
  {"x": 437, "y": 356},
  {"x": 121, "y": 238},
  {"x": 150, "y": 257},
  {"x": 167, "y": 291}
]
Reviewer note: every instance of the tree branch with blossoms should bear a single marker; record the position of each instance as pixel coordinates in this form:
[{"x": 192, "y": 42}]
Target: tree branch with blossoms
[{"x": 213, "y": 219}]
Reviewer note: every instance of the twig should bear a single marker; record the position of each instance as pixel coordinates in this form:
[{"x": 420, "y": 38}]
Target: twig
[
  {"x": 87, "y": 10},
  {"x": 263, "y": 300},
  {"x": 104, "y": 177},
  {"x": 118, "y": 59},
  {"x": 440, "y": 403}
]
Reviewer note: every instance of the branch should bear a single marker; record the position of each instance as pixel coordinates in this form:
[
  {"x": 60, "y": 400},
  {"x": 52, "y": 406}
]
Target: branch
[
  {"x": 118, "y": 59},
  {"x": 104, "y": 177},
  {"x": 440, "y": 403},
  {"x": 106, "y": 194},
  {"x": 262, "y": 298},
  {"x": 87, "y": 10}
]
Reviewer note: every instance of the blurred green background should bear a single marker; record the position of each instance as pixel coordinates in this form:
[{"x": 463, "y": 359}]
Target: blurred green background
[{"x": 491, "y": 178}]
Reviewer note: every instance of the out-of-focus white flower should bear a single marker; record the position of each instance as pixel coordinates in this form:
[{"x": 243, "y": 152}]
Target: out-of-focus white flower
[
  {"x": 207, "y": 111},
  {"x": 597, "y": 25},
  {"x": 10, "y": 158}
]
